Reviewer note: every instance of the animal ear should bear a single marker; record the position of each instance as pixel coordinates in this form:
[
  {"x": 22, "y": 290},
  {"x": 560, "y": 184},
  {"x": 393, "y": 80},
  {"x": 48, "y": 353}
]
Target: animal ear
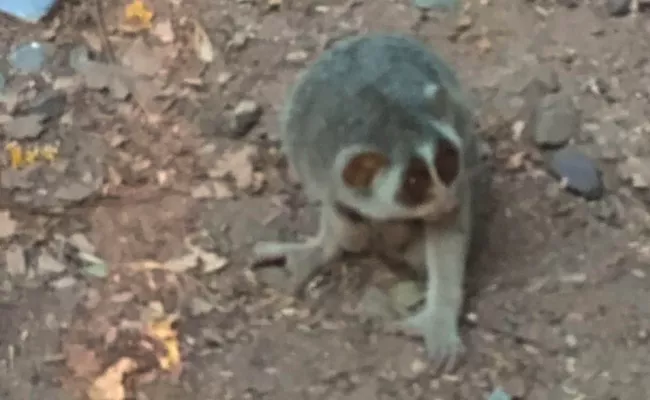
[
  {"x": 447, "y": 161},
  {"x": 362, "y": 168}
]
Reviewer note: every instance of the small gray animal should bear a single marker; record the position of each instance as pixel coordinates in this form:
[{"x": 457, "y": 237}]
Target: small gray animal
[{"x": 379, "y": 132}]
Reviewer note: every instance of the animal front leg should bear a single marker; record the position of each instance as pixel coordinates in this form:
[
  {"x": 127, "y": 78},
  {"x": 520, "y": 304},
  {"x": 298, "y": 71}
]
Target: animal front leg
[
  {"x": 336, "y": 234},
  {"x": 437, "y": 323}
]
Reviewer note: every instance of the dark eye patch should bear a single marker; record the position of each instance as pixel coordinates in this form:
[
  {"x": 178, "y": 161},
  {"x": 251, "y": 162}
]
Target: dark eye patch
[
  {"x": 416, "y": 183},
  {"x": 447, "y": 161}
]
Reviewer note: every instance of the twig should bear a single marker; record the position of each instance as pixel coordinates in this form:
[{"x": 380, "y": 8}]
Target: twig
[{"x": 103, "y": 33}]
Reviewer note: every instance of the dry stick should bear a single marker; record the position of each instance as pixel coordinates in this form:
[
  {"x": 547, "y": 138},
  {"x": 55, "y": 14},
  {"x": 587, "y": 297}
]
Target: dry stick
[{"x": 103, "y": 33}]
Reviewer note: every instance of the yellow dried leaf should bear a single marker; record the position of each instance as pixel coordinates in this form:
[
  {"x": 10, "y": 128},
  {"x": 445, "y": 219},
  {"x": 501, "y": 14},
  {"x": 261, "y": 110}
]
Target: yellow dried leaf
[
  {"x": 109, "y": 386},
  {"x": 163, "y": 331},
  {"x": 15, "y": 154},
  {"x": 138, "y": 14},
  {"x": 49, "y": 152},
  {"x": 31, "y": 155}
]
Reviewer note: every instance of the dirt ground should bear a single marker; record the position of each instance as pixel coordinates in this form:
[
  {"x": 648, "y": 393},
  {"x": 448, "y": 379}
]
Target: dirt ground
[{"x": 188, "y": 164}]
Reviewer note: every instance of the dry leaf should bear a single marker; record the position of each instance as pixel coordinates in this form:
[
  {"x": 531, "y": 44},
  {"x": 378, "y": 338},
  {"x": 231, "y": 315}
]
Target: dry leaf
[
  {"x": 7, "y": 225},
  {"x": 164, "y": 31},
  {"x": 138, "y": 16},
  {"x": 237, "y": 164},
  {"x": 202, "y": 44},
  {"x": 212, "y": 262},
  {"x": 144, "y": 265},
  {"x": 109, "y": 386},
  {"x": 164, "y": 332},
  {"x": 93, "y": 41},
  {"x": 183, "y": 263}
]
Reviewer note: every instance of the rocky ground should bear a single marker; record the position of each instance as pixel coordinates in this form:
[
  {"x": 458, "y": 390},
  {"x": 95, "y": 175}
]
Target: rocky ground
[{"x": 140, "y": 163}]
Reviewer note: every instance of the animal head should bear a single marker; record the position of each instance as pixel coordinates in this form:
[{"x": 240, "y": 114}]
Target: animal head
[{"x": 410, "y": 181}]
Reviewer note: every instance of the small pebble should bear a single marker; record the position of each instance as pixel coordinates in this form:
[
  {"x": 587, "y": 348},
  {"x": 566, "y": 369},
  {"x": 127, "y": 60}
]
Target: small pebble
[
  {"x": 297, "y": 57},
  {"x": 580, "y": 173},
  {"x": 49, "y": 265},
  {"x": 245, "y": 115},
  {"x": 571, "y": 341},
  {"x": 554, "y": 121},
  {"x": 618, "y": 8},
  {"x": 78, "y": 57},
  {"x": 63, "y": 283},
  {"x": 29, "y": 57}
]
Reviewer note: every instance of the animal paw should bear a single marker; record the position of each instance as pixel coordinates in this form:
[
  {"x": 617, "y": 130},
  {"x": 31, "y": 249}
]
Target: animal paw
[
  {"x": 301, "y": 260},
  {"x": 439, "y": 330}
]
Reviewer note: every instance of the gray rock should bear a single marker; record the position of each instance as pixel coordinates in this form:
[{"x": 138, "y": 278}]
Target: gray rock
[
  {"x": 25, "y": 127},
  {"x": 51, "y": 104},
  {"x": 244, "y": 117},
  {"x": 48, "y": 265},
  {"x": 18, "y": 178},
  {"x": 618, "y": 8},
  {"x": 580, "y": 173},
  {"x": 78, "y": 57},
  {"x": 74, "y": 191},
  {"x": 30, "y": 57},
  {"x": 554, "y": 121}
]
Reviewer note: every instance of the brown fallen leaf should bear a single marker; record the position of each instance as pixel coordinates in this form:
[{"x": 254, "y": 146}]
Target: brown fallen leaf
[
  {"x": 110, "y": 386},
  {"x": 202, "y": 44}
]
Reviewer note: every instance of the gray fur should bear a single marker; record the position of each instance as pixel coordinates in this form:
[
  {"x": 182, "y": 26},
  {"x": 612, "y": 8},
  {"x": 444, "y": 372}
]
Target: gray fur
[{"x": 366, "y": 89}]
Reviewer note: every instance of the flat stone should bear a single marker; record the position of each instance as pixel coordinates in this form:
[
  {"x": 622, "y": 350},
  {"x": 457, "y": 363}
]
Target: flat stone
[
  {"x": 618, "y": 8},
  {"x": 244, "y": 117},
  {"x": 580, "y": 173},
  {"x": 25, "y": 127},
  {"x": 554, "y": 121},
  {"x": 49, "y": 104},
  {"x": 48, "y": 265}
]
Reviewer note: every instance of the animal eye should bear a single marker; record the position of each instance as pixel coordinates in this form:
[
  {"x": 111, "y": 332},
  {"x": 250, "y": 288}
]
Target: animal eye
[
  {"x": 447, "y": 162},
  {"x": 416, "y": 184}
]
